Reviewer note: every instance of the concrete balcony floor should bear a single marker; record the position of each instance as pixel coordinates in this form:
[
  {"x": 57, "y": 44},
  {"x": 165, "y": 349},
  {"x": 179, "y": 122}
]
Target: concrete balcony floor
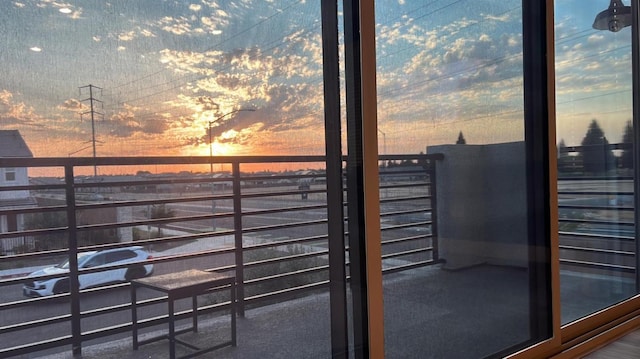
[{"x": 429, "y": 313}]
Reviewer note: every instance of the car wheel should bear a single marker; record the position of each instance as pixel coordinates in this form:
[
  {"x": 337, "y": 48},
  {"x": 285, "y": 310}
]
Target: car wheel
[
  {"x": 61, "y": 286},
  {"x": 134, "y": 273}
]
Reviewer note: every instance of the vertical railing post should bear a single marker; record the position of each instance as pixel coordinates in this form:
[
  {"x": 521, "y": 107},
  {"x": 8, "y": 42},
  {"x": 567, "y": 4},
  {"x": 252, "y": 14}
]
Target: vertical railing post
[
  {"x": 74, "y": 284},
  {"x": 237, "y": 230},
  {"x": 433, "y": 191}
]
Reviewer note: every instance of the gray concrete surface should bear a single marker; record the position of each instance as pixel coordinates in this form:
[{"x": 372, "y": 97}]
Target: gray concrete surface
[{"x": 429, "y": 313}]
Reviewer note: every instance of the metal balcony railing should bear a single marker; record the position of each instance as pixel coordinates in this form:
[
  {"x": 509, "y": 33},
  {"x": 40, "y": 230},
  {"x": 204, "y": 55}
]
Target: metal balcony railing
[
  {"x": 596, "y": 210},
  {"x": 596, "y": 223},
  {"x": 269, "y": 228}
]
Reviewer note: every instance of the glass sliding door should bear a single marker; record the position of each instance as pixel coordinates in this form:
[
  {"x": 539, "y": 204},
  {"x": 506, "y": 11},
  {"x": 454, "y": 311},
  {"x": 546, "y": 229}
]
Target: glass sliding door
[
  {"x": 462, "y": 114},
  {"x": 227, "y": 117},
  {"x": 595, "y": 155}
]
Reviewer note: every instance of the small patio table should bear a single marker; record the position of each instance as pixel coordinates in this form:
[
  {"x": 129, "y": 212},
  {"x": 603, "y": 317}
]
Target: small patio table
[{"x": 189, "y": 283}]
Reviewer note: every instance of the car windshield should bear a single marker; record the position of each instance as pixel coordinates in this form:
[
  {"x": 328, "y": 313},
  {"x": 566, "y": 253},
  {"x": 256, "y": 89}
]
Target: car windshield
[{"x": 65, "y": 263}]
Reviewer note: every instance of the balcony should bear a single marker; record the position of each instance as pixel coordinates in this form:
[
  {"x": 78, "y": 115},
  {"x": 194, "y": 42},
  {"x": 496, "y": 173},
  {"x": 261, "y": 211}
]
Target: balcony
[{"x": 270, "y": 230}]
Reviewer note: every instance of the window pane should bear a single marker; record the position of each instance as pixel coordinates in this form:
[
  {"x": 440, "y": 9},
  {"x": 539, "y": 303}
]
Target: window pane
[
  {"x": 459, "y": 271},
  {"x": 183, "y": 92},
  {"x": 595, "y": 158}
]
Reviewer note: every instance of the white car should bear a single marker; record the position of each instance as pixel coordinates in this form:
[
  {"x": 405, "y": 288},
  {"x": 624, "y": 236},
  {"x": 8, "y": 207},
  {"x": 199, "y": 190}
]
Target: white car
[{"x": 109, "y": 257}]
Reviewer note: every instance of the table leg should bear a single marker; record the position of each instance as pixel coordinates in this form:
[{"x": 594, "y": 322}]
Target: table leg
[
  {"x": 194, "y": 306},
  {"x": 134, "y": 316},
  {"x": 172, "y": 331},
  {"x": 233, "y": 314}
]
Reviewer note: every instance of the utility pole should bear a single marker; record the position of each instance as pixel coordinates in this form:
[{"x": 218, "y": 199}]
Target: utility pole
[{"x": 92, "y": 112}]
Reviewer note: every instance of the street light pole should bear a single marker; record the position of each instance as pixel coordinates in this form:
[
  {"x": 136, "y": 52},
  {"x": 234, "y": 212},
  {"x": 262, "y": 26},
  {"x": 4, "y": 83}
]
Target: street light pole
[
  {"x": 384, "y": 141},
  {"x": 213, "y": 201},
  {"x": 210, "y": 130}
]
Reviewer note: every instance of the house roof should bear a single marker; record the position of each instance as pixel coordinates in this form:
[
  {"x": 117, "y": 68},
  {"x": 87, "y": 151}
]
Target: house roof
[{"x": 12, "y": 144}]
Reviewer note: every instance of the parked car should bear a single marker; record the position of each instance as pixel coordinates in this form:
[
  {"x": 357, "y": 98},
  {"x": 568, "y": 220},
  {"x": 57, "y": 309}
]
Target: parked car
[{"x": 95, "y": 259}]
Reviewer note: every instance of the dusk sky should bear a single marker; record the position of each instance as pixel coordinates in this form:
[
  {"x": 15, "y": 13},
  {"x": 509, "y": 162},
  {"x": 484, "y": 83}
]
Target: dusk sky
[{"x": 168, "y": 68}]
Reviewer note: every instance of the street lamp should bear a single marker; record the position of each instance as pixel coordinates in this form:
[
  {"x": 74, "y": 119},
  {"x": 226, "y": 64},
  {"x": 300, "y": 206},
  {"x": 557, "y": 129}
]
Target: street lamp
[
  {"x": 384, "y": 141},
  {"x": 614, "y": 18},
  {"x": 213, "y": 201},
  {"x": 210, "y": 135}
]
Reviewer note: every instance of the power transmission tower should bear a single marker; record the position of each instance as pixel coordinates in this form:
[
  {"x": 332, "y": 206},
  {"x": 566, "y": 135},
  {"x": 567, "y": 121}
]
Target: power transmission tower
[{"x": 92, "y": 112}]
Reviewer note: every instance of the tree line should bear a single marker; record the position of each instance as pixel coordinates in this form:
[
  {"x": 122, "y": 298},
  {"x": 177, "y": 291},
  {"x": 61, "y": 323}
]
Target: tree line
[{"x": 595, "y": 154}]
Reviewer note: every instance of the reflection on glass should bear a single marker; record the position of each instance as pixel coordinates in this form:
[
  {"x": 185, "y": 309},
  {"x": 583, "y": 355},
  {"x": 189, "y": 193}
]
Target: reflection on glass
[
  {"x": 450, "y": 81},
  {"x": 595, "y": 160}
]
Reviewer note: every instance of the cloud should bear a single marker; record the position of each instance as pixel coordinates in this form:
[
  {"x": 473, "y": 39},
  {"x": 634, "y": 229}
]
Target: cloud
[
  {"x": 125, "y": 123},
  {"x": 127, "y": 36},
  {"x": 16, "y": 113},
  {"x": 176, "y": 26},
  {"x": 73, "y": 105}
]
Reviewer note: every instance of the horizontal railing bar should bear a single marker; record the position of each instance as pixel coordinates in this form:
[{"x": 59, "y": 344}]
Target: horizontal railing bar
[
  {"x": 404, "y": 199},
  {"x": 285, "y": 258},
  {"x": 595, "y": 178},
  {"x": 606, "y": 266},
  {"x": 390, "y": 185},
  {"x": 596, "y": 193},
  {"x": 591, "y": 221},
  {"x": 406, "y": 253},
  {"x": 414, "y": 265},
  {"x": 34, "y": 323},
  {"x": 244, "y": 177},
  {"x": 423, "y": 156},
  {"x": 281, "y": 193},
  {"x": 151, "y": 202},
  {"x": 285, "y": 242},
  {"x": 285, "y": 275},
  {"x": 31, "y": 255},
  {"x": 37, "y": 346},
  {"x": 281, "y": 226},
  {"x": 406, "y": 239},
  {"x": 598, "y": 250},
  {"x": 600, "y": 208},
  {"x": 195, "y": 178},
  {"x": 407, "y": 211},
  {"x": 282, "y": 210},
  {"x": 595, "y": 236},
  {"x": 404, "y": 170},
  {"x": 162, "y": 240},
  {"x": 33, "y": 232},
  {"x": 286, "y": 292},
  {"x": 32, "y": 187},
  {"x": 30, "y": 210},
  {"x": 222, "y": 269},
  {"x": 30, "y": 301},
  {"x": 178, "y": 238},
  {"x": 154, "y": 221},
  {"x": 405, "y": 225},
  {"x": 21, "y": 162}
]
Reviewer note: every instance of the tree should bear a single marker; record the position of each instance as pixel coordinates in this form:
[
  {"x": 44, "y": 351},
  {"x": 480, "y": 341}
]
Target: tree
[
  {"x": 160, "y": 211},
  {"x": 597, "y": 157},
  {"x": 626, "y": 158},
  {"x": 461, "y": 140},
  {"x": 48, "y": 220},
  {"x": 564, "y": 161}
]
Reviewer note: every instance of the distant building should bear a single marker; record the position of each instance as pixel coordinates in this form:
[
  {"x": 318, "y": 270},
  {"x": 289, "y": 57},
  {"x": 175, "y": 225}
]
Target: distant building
[{"x": 12, "y": 145}]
